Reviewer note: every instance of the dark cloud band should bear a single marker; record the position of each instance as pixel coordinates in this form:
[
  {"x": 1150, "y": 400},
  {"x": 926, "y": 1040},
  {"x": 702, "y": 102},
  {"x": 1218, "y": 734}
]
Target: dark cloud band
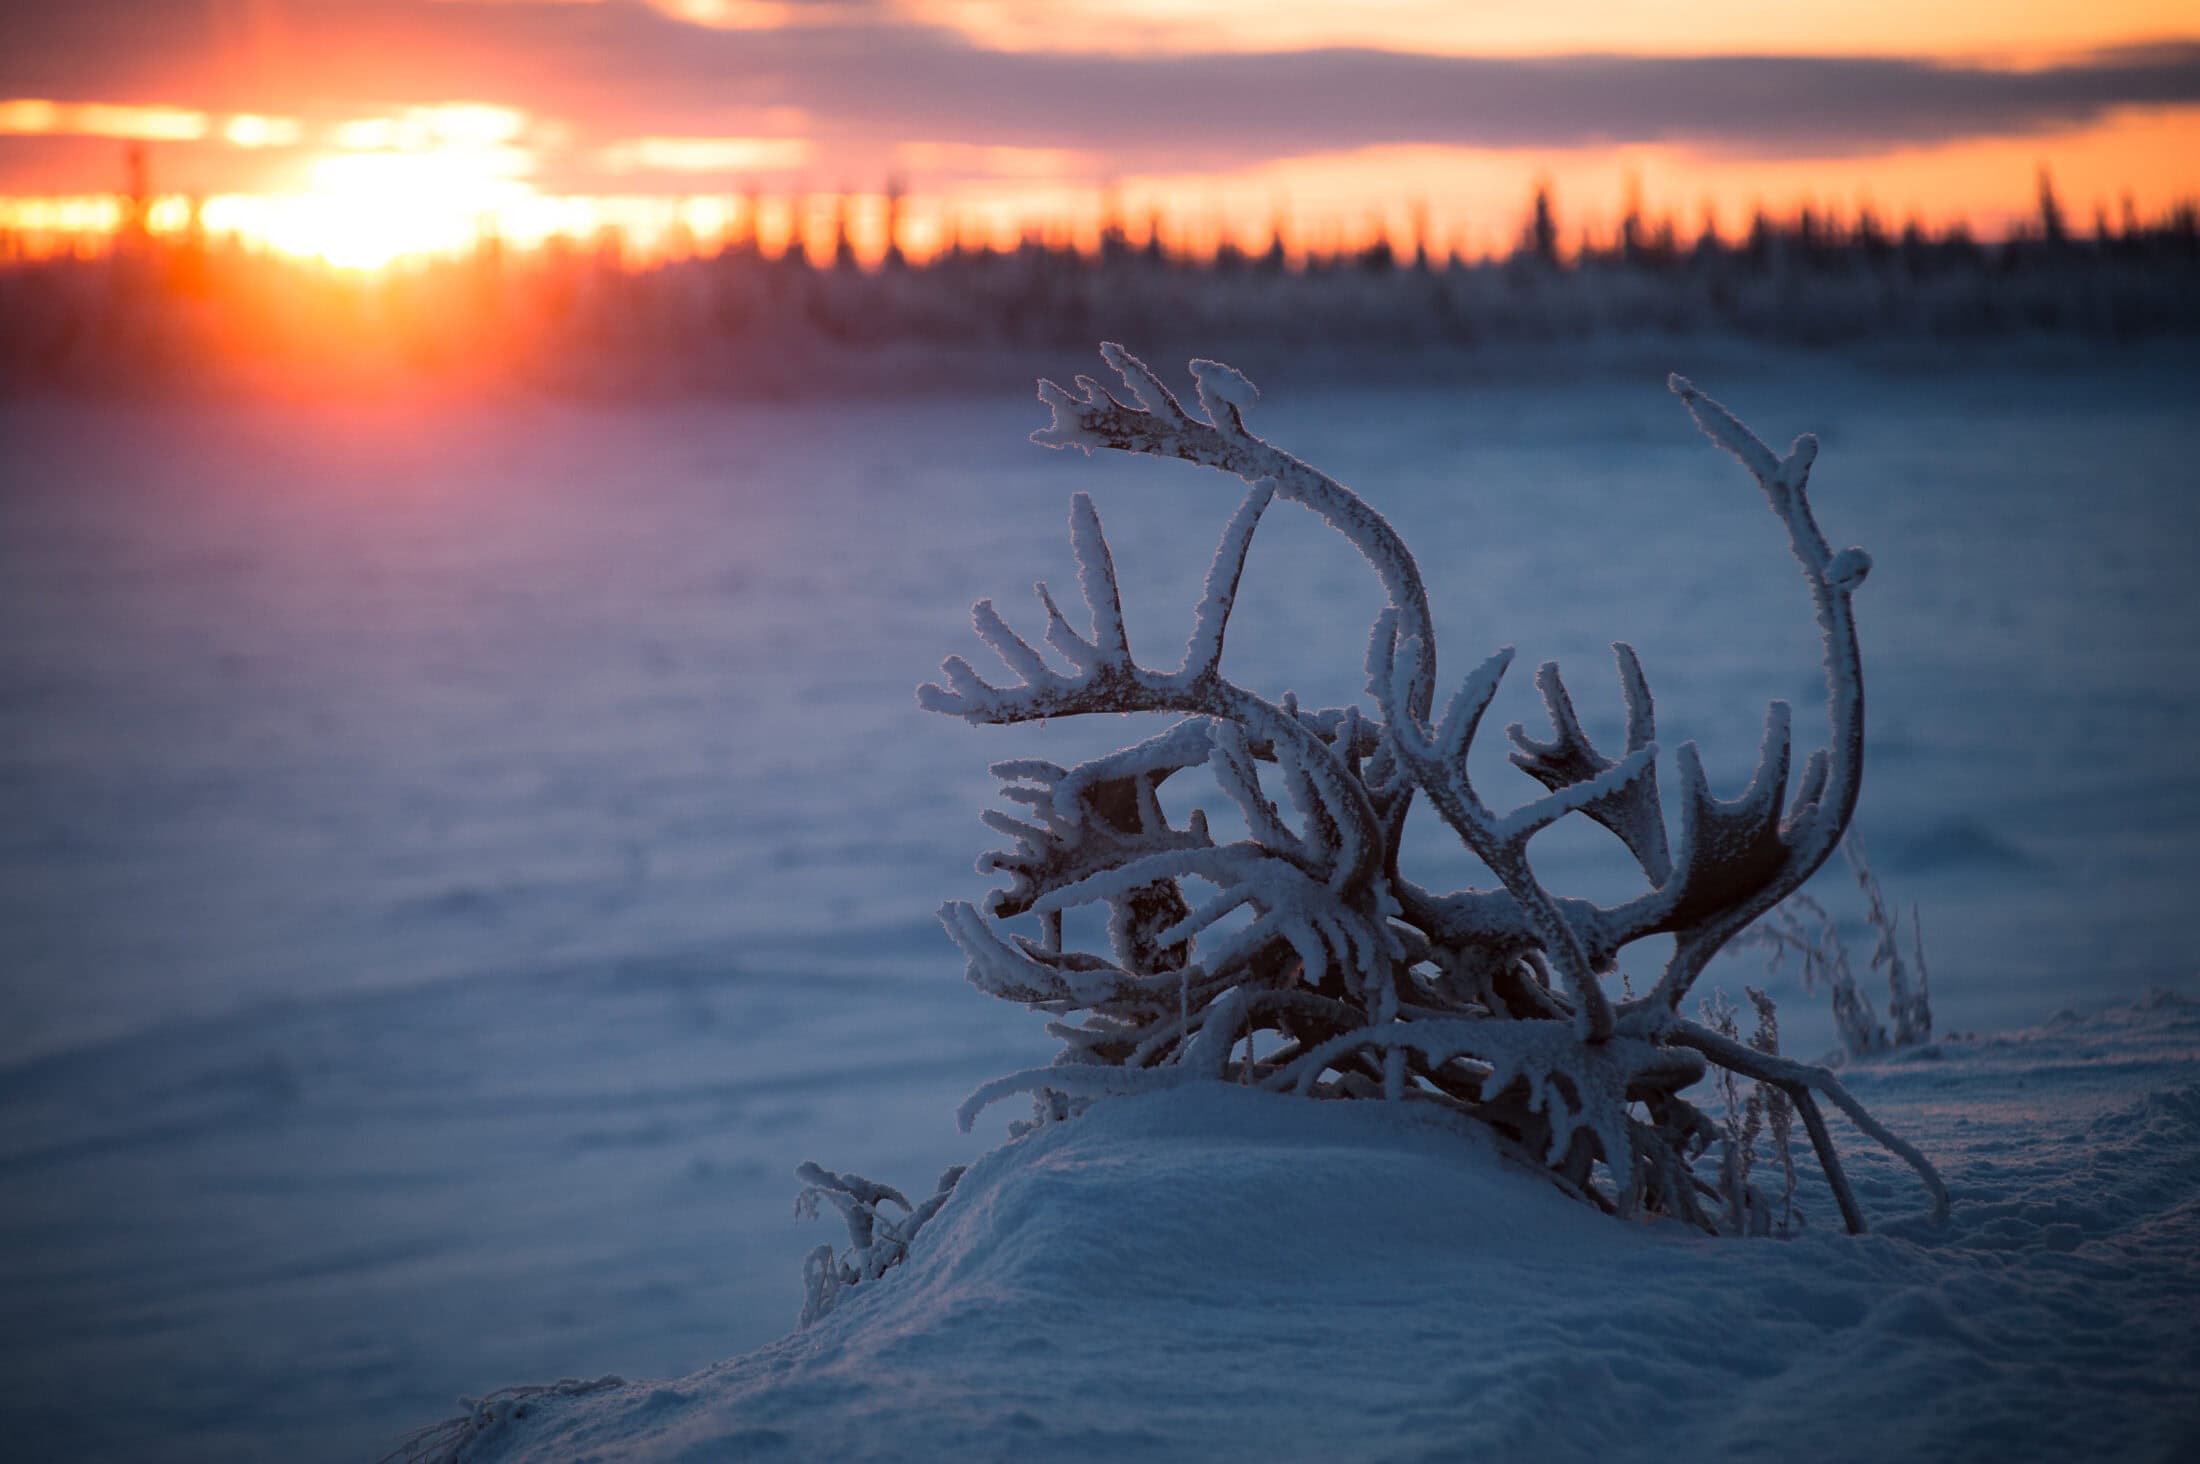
[{"x": 625, "y": 69}]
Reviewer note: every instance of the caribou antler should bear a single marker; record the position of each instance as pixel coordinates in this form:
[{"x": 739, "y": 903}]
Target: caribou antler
[{"x": 1490, "y": 1000}]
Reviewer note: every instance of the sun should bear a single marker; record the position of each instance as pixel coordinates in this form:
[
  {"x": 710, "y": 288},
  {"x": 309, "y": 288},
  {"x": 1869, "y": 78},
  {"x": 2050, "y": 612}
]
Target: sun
[{"x": 365, "y": 210}]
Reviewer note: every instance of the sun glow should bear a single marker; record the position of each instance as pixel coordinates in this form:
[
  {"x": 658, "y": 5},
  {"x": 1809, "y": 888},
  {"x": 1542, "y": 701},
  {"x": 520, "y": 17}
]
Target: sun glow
[
  {"x": 362, "y": 192},
  {"x": 364, "y": 210},
  {"x": 429, "y": 180}
]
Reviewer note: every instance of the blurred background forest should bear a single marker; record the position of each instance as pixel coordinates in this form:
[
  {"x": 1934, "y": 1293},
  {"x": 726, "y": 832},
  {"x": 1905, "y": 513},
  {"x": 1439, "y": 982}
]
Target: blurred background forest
[{"x": 787, "y": 294}]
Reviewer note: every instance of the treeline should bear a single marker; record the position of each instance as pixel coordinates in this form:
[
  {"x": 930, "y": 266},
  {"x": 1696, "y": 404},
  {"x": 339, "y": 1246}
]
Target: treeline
[{"x": 185, "y": 309}]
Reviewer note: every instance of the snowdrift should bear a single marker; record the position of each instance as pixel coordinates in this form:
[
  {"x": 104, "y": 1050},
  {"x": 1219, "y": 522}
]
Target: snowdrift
[{"x": 1216, "y": 1273}]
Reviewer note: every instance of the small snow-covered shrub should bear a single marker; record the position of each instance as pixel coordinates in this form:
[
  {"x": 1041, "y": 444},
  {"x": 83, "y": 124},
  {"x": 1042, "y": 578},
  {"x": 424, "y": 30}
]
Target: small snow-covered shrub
[
  {"x": 877, "y": 1240},
  {"x": 1310, "y": 962},
  {"x": 1766, "y": 1114},
  {"x": 480, "y": 1419},
  {"x": 1801, "y": 927}
]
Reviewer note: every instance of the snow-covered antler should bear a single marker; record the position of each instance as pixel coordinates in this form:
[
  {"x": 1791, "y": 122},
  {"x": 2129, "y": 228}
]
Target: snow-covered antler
[
  {"x": 1568, "y": 759},
  {"x": 1739, "y": 859},
  {"x": 1489, "y": 1000},
  {"x": 1107, "y": 678},
  {"x": 1101, "y": 835}
]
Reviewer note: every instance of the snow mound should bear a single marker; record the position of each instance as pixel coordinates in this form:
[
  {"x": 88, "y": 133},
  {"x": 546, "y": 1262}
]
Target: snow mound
[{"x": 1216, "y": 1273}]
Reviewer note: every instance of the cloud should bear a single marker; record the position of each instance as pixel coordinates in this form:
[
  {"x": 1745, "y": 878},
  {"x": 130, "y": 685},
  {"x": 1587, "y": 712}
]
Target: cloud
[
  {"x": 706, "y": 155},
  {"x": 623, "y": 69}
]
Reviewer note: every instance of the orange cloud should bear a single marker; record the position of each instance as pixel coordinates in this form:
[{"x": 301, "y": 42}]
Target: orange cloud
[
  {"x": 418, "y": 129},
  {"x": 249, "y": 129},
  {"x": 1475, "y": 197},
  {"x": 2002, "y": 30},
  {"x": 706, "y": 155},
  {"x": 999, "y": 115},
  {"x": 33, "y": 116},
  {"x": 975, "y": 159}
]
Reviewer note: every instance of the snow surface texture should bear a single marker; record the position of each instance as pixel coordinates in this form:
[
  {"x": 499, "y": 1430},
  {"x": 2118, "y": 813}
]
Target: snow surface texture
[
  {"x": 1213, "y": 1273},
  {"x": 456, "y": 858},
  {"x": 1358, "y": 980}
]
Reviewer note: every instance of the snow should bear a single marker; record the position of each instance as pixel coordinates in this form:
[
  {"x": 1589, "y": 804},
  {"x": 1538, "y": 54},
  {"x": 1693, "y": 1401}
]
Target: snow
[
  {"x": 455, "y": 861},
  {"x": 1211, "y": 1272}
]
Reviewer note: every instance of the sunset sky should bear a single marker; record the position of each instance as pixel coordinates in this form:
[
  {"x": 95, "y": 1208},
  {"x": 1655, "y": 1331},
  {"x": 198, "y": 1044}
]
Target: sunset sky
[{"x": 374, "y": 127}]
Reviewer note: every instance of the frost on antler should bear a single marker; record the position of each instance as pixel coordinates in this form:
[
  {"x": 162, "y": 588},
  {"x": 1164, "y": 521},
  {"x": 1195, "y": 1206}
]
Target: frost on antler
[{"x": 1300, "y": 957}]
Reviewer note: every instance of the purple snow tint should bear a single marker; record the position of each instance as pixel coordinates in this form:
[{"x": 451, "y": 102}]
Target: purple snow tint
[{"x": 455, "y": 861}]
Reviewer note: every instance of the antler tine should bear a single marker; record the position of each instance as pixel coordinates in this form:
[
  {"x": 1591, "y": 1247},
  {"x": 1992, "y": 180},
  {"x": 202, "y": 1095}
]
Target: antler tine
[
  {"x": 1564, "y": 754},
  {"x": 1099, "y": 813},
  {"x": 1108, "y": 678},
  {"x": 1439, "y": 767},
  {"x": 1224, "y": 393},
  {"x": 1095, "y": 391},
  {"x": 1809, "y": 788},
  {"x": 1463, "y": 713},
  {"x": 1015, "y": 652},
  {"x": 1096, "y": 577},
  {"x": 1061, "y": 635},
  {"x": 1150, "y": 390},
  {"x": 1016, "y": 973},
  {"x": 1730, "y": 848},
  {"x": 1633, "y": 813},
  {"x": 1102, "y": 662},
  {"x": 1240, "y": 779},
  {"x": 1634, "y": 690},
  {"x": 1203, "y": 655},
  {"x": 1092, "y": 418}
]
